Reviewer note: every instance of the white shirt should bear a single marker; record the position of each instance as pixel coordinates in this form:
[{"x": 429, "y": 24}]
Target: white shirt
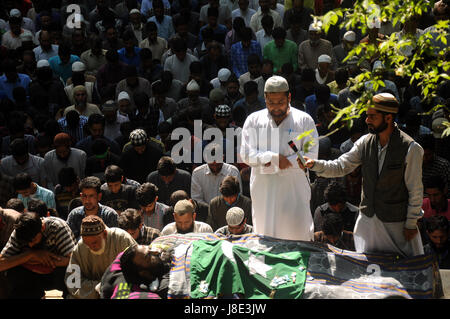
[
  {"x": 280, "y": 198},
  {"x": 179, "y": 69},
  {"x": 255, "y": 21},
  {"x": 205, "y": 185},
  {"x": 199, "y": 227},
  {"x": 247, "y": 15},
  {"x": 262, "y": 38}
]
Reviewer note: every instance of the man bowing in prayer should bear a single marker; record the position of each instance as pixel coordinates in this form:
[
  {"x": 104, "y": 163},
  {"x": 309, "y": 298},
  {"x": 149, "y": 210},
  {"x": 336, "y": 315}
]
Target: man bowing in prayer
[{"x": 278, "y": 187}]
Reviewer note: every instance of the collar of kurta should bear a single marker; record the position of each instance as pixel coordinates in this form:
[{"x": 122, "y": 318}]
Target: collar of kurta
[{"x": 208, "y": 171}]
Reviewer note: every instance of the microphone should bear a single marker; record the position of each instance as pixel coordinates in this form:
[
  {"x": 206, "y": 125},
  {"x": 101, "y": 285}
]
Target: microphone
[{"x": 295, "y": 149}]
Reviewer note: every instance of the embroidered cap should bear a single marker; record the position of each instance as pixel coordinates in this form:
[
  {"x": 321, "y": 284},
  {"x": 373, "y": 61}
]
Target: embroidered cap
[
  {"x": 223, "y": 110},
  {"x": 92, "y": 226},
  {"x": 385, "y": 102},
  {"x": 138, "y": 137},
  {"x": 235, "y": 216}
]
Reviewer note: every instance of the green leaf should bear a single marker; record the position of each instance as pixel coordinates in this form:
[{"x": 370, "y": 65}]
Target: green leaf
[{"x": 304, "y": 134}]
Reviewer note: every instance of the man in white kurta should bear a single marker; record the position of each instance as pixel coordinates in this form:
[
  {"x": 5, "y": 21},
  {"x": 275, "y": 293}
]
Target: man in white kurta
[{"x": 279, "y": 189}]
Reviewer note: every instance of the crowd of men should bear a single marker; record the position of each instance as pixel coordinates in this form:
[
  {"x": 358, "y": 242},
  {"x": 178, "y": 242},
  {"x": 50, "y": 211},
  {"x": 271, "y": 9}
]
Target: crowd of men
[{"x": 90, "y": 104}]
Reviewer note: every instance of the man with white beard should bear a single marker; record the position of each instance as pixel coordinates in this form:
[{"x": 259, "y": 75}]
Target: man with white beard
[{"x": 93, "y": 254}]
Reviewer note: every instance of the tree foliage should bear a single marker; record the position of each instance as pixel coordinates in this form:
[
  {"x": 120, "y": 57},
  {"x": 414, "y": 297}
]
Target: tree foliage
[{"x": 425, "y": 66}]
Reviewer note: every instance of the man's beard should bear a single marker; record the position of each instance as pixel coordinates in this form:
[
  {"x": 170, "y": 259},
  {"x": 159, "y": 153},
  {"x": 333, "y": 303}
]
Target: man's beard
[
  {"x": 80, "y": 104},
  {"x": 379, "y": 129},
  {"x": 101, "y": 250},
  {"x": 280, "y": 115},
  {"x": 189, "y": 230},
  {"x": 64, "y": 159}
]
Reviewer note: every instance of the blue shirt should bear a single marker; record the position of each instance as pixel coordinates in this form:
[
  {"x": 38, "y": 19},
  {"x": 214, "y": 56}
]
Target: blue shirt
[
  {"x": 220, "y": 31},
  {"x": 147, "y": 5},
  {"x": 106, "y": 213},
  {"x": 41, "y": 193},
  {"x": 165, "y": 28},
  {"x": 239, "y": 56},
  {"x": 134, "y": 60},
  {"x": 311, "y": 104},
  {"x": 63, "y": 71},
  {"x": 6, "y": 88}
]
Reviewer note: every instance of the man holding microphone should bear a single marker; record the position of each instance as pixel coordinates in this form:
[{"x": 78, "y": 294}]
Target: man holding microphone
[{"x": 392, "y": 190}]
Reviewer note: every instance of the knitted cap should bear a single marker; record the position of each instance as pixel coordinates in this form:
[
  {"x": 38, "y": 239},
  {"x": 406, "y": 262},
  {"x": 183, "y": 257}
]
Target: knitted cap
[
  {"x": 223, "y": 111},
  {"x": 385, "y": 102},
  {"x": 138, "y": 137},
  {"x": 235, "y": 216},
  {"x": 350, "y": 36},
  {"x": 193, "y": 86},
  {"x": 42, "y": 63},
  {"x": 92, "y": 226},
  {"x": 276, "y": 84},
  {"x": 78, "y": 66},
  {"x": 183, "y": 206},
  {"x": 123, "y": 96},
  {"x": 224, "y": 74},
  {"x": 324, "y": 58}
]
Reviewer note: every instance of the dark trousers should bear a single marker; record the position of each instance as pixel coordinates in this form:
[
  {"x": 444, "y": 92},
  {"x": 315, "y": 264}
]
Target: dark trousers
[{"x": 25, "y": 284}]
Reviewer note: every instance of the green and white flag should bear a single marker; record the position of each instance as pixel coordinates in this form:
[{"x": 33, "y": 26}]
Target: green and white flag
[{"x": 220, "y": 268}]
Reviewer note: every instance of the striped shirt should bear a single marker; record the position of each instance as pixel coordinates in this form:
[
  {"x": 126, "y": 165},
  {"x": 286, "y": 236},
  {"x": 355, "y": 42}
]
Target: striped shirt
[
  {"x": 147, "y": 235},
  {"x": 77, "y": 134},
  {"x": 107, "y": 214},
  {"x": 156, "y": 219},
  {"x": 57, "y": 238}
]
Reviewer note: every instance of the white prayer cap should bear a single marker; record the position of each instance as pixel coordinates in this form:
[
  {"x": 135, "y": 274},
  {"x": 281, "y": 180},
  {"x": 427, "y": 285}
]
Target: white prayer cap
[
  {"x": 26, "y": 36},
  {"x": 324, "y": 58},
  {"x": 350, "y": 36},
  {"x": 373, "y": 22},
  {"x": 314, "y": 27},
  {"x": 123, "y": 96},
  {"x": 276, "y": 84},
  {"x": 42, "y": 63},
  {"x": 15, "y": 13},
  {"x": 193, "y": 86},
  {"x": 135, "y": 11},
  {"x": 78, "y": 66},
  {"x": 235, "y": 216},
  {"x": 224, "y": 74}
]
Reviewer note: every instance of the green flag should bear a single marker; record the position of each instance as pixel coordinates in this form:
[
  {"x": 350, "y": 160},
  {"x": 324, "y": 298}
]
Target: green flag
[{"x": 219, "y": 268}]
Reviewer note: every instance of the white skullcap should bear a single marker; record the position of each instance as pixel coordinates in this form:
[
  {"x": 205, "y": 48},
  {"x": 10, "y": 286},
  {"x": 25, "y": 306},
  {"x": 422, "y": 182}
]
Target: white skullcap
[
  {"x": 26, "y": 36},
  {"x": 324, "y": 58},
  {"x": 78, "y": 66},
  {"x": 135, "y": 11},
  {"x": 15, "y": 13},
  {"x": 350, "y": 36},
  {"x": 193, "y": 86},
  {"x": 276, "y": 84},
  {"x": 314, "y": 27},
  {"x": 224, "y": 74},
  {"x": 123, "y": 96},
  {"x": 42, "y": 63},
  {"x": 235, "y": 216}
]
